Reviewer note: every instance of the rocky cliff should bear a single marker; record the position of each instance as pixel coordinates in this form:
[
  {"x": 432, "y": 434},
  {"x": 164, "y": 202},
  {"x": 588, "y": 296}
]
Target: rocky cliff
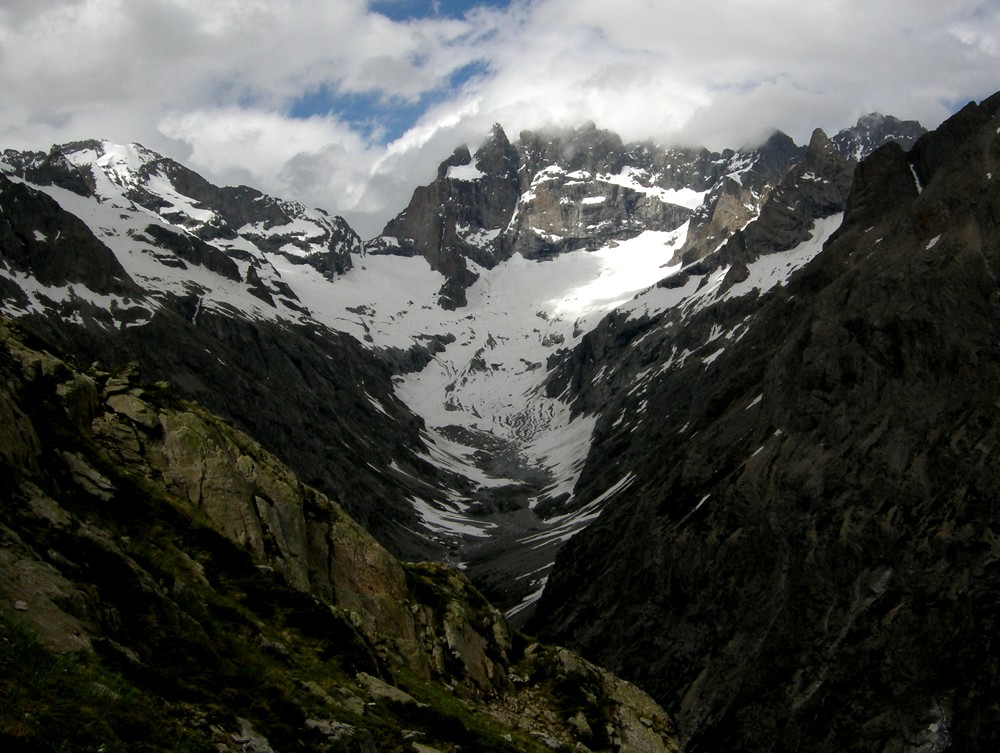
[
  {"x": 802, "y": 551},
  {"x": 460, "y": 216},
  {"x": 166, "y": 584},
  {"x": 553, "y": 192}
]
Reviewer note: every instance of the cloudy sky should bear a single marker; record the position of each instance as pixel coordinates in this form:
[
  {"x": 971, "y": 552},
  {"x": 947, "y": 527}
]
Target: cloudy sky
[{"x": 349, "y": 104}]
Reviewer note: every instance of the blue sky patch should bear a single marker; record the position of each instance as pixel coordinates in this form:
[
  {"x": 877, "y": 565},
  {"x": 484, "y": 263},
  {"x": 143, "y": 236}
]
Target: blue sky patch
[
  {"x": 407, "y": 10},
  {"x": 379, "y": 118}
]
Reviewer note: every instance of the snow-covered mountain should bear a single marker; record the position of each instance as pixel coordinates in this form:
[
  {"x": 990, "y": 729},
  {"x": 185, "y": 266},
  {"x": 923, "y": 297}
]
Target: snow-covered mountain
[
  {"x": 497, "y": 271},
  {"x": 736, "y": 412},
  {"x": 116, "y": 254}
]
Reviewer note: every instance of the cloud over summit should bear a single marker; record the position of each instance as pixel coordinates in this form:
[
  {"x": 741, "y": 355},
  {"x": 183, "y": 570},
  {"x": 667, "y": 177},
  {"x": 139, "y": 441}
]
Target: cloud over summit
[{"x": 349, "y": 104}]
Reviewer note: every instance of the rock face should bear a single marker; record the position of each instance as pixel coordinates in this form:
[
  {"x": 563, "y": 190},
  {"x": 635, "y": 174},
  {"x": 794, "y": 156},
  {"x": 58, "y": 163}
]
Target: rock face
[
  {"x": 42, "y": 241},
  {"x": 587, "y": 188},
  {"x": 814, "y": 188},
  {"x": 210, "y": 599},
  {"x": 875, "y": 130},
  {"x": 803, "y": 556},
  {"x": 460, "y": 216},
  {"x": 554, "y": 192},
  {"x": 738, "y": 194}
]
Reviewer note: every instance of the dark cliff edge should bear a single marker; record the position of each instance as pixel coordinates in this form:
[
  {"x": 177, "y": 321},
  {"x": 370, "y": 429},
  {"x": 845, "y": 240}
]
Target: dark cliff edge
[{"x": 807, "y": 556}]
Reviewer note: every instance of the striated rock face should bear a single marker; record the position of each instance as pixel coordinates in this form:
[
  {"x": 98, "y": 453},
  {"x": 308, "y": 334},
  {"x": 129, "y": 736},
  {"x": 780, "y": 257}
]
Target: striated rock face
[
  {"x": 216, "y": 601},
  {"x": 738, "y": 194},
  {"x": 587, "y": 188},
  {"x": 804, "y": 556},
  {"x": 815, "y": 187}
]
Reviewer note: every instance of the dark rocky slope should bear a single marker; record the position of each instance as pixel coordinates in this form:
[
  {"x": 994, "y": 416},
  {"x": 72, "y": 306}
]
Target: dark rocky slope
[
  {"x": 166, "y": 584},
  {"x": 807, "y": 556}
]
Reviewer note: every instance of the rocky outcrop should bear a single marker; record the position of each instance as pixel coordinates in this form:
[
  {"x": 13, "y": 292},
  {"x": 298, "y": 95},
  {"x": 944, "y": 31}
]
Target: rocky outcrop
[
  {"x": 460, "y": 216},
  {"x": 738, "y": 193},
  {"x": 735, "y": 201},
  {"x": 569, "y": 211},
  {"x": 815, "y": 187},
  {"x": 570, "y": 190},
  {"x": 167, "y": 582},
  {"x": 804, "y": 555}
]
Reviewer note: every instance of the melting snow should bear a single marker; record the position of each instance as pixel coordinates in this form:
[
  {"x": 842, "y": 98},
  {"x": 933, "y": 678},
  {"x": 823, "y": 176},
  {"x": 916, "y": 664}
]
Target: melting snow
[
  {"x": 775, "y": 269},
  {"x": 530, "y": 599},
  {"x": 465, "y": 172},
  {"x": 638, "y": 180},
  {"x": 453, "y": 522}
]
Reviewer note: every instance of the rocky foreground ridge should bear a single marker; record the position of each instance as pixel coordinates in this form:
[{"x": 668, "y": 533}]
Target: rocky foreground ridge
[
  {"x": 166, "y": 584},
  {"x": 803, "y": 553}
]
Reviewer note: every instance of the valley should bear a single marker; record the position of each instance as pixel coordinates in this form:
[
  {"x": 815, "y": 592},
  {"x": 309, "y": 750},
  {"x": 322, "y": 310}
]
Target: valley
[
  {"x": 723, "y": 422},
  {"x": 539, "y": 243}
]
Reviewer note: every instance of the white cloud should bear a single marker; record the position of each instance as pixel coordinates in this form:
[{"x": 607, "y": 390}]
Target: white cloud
[{"x": 211, "y": 83}]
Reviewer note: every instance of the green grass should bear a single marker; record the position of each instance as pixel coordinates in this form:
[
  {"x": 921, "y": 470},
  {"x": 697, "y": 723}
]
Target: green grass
[{"x": 71, "y": 702}]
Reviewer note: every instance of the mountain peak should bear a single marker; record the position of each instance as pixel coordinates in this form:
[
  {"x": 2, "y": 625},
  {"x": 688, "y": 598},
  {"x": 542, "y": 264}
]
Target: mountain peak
[
  {"x": 498, "y": 135},
  {"x": 872, "y": 131},
  {"x": 818, "y": 141}
]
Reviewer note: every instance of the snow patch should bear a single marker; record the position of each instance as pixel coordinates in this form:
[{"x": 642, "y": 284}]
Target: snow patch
[
  {"x": 772, "y": 270},
  {"x": 448, "y": 522},
  {"x": 465, "y": 172},
  {"x": 639, "y": 180}
]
